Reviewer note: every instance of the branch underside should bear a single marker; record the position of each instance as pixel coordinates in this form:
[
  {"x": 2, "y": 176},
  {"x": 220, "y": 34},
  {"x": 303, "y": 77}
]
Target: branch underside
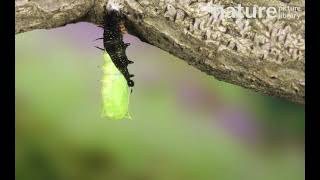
[{"x": 266, "y": 55}]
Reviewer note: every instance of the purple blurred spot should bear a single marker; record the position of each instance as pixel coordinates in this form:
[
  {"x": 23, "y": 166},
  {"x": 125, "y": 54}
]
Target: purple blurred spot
[
  {"x": 194, "y": 96},
  {"x": 239, "y": 123},
  {"x": 235, "y": 120}
]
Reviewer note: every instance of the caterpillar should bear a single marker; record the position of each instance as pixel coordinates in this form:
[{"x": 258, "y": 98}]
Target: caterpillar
[
  {"x": 113, "y": 43},
  {"x": 116, "y": 80}
]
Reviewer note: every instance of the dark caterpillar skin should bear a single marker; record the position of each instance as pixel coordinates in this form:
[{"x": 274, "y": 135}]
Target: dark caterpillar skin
[{"x": 114, "y": 45}]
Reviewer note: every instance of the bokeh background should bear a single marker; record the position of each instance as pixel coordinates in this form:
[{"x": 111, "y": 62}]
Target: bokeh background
[{"x": 186, "y": 125}]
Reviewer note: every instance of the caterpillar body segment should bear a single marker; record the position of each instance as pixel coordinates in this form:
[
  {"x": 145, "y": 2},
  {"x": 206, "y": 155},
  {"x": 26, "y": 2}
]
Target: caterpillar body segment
[{"x": 114, "y": 45}]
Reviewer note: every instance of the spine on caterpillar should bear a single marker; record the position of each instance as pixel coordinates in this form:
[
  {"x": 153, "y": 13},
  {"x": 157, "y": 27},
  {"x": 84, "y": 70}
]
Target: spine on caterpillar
[{"x": 113, "y": 42}]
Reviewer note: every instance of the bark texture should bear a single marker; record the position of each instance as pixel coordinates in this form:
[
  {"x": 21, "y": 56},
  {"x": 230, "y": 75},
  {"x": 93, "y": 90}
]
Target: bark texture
[{"x": 266, "y": 55}]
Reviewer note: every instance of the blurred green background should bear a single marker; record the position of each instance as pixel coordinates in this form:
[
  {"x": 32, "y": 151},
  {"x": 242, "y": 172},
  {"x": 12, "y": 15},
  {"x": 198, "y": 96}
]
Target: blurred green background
[{"x": 186, "y": 125}]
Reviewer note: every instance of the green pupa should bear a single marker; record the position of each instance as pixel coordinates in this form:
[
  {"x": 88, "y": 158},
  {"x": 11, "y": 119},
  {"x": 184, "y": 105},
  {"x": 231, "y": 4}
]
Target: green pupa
[{"x": 115, "y": 91}]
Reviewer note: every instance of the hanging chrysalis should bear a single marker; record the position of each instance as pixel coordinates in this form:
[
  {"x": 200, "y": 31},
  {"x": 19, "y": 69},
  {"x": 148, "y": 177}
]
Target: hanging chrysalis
[
  {"x": 116, "y": 81},
  {"x": 115, "y": 91}
]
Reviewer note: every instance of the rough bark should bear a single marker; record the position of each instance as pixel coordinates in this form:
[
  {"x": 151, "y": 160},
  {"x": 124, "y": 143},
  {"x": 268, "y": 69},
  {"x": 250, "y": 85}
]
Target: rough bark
[{"x": 266, "y": 55}]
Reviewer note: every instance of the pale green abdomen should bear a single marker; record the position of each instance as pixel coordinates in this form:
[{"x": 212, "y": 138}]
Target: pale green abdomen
[{"x": 115, "y": 92}]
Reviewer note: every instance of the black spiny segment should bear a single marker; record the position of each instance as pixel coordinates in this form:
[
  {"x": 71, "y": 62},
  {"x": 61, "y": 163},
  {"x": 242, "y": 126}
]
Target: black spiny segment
[
  {"x": 111, "y": 26},
  {"x": 114, "y": 45}
]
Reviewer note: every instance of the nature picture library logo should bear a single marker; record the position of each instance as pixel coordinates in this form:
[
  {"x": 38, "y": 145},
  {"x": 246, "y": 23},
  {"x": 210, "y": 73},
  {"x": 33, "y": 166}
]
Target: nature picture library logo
[{"x": 251, "y": 12}]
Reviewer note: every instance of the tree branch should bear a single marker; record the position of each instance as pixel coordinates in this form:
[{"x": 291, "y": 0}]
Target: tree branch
[
  {"x": 45, "y": 14},
  {"x": 266, "y": 55}
]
